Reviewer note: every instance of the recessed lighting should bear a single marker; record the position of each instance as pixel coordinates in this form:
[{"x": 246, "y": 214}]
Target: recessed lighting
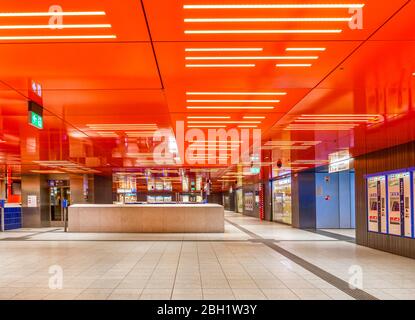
[
  {"x": 255, "y": 58},
  {"x": 230, "y": 107},
  {"x": 208, "y": 117},
  {"x": 232, "y": 101},
  {"x": 221, "y": 49},
  {"x": 267, "y": 31},
  {"x": 305, "y": 49},
  {"x": 207, "y": 20},
  {"x": 272, "y": 6},
  {"x": 285, "y": 65},
  {"x": 220, "y": 65},
  {"x": 49, "y": 14},
  {"x": 6, "y": 38},
  {"x": 236, "y": 93},
  {"x": 61, "y": 26}
]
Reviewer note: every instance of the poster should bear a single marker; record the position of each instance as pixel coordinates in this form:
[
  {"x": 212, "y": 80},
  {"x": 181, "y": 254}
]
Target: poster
[
  {"x": 399, "y": 204},
  {"x": 376, "y": 196},
  {"x": 249, "y": 201},
  {"x": 32, "y": 201}
]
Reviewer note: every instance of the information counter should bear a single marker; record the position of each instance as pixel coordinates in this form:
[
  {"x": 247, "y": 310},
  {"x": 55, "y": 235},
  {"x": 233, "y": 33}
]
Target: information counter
[{"x": 146, "y": 218}]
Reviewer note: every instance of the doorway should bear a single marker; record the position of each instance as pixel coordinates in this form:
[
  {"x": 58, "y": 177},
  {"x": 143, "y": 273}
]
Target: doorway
[{"x": 58, "y": 192}]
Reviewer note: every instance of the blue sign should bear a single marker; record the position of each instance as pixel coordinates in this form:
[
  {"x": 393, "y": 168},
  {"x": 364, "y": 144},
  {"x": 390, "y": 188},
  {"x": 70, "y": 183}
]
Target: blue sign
[
  {"x": 2, "y": 203},
  {"x": 65, "y": 203}
]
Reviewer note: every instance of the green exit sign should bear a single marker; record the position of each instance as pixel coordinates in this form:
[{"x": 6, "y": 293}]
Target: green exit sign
[{"x": 35, "y": 120}]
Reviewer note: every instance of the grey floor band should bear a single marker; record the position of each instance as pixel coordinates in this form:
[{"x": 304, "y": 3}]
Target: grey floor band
[{"x": 340, "y": 284}]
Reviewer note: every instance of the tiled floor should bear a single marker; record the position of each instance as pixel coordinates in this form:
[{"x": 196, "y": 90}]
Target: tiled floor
[{"x": 192, "y": 266}]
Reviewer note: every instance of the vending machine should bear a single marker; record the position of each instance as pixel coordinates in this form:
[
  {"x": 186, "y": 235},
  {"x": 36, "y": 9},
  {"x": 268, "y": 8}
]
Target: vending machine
[
  {"x": 399, "y": 204},
  {"x": 376, "y": 197}
]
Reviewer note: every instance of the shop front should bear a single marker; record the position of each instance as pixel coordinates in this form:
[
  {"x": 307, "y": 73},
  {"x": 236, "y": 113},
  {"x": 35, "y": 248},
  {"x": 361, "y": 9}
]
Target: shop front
[{"x": 281, "y": 200}]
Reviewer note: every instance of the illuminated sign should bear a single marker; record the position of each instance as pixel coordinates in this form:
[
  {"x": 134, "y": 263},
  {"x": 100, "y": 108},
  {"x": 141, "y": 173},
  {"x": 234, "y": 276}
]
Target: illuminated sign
[
  {"x": 35, "y": 92},
  {"x": 35, "y": 115},
  {"x": 255, "y": 170},
  {"x": 339, "y": 161}
]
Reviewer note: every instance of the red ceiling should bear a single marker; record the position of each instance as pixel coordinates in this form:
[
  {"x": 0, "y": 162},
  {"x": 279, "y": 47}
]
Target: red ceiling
[{"x": 141, "y": 77}]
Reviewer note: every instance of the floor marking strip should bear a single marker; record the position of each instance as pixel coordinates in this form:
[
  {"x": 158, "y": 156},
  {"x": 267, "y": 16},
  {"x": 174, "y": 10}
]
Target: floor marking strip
[
  {"x": 336, "y": 236},
  {"x": 340, "y": 284}
]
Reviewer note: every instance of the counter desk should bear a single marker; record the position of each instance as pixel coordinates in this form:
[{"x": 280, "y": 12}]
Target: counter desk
[{"x": 146, "y": 218}]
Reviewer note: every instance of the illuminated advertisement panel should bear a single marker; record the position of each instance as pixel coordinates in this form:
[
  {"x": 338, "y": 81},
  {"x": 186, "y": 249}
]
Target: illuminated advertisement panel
[
  {"x": 399, "y": 204},
  {"x": 376, "y": 197}
]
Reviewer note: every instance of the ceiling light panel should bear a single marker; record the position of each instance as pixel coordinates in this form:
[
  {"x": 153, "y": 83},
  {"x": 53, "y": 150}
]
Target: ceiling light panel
[
  {"x": 53, "y": 32},
  {"x": 232, "y": 101},
  {"x": 253, "y": 58},
  {"x": 237, "y": 93},
  {"x": 266, "y": 31},
  {"x": 222, "y": 49},
  {"x": 230, "y": 107},
  {"x": 221, "y": 65},
  {"x": 49, "y": 14},
  {"x": 272, "y": 6},
  {"x": 211, "y": 20}
]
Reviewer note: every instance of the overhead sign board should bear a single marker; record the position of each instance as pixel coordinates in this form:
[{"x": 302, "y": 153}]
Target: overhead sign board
[
  {"x": 339, "y": 161},
  {"x": 35, "y": 115}
]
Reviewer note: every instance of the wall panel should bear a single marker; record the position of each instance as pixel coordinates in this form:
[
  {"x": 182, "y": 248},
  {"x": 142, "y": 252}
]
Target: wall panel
[{"x": 398, "y": 157}]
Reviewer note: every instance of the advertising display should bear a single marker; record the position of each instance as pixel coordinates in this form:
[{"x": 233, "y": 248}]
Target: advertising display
[
  {"x": 281, "y": 196},
  {"x": 376, "y": 197},
  {"x": 399, "y": 204},
  {"x": 249, "y": 201},
  {"x": 239, "y": 201}
]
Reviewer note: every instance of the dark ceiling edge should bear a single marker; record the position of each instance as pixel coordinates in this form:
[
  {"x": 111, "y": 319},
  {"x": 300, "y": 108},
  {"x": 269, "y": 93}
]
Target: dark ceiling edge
[{"x": 152, "y": 44}]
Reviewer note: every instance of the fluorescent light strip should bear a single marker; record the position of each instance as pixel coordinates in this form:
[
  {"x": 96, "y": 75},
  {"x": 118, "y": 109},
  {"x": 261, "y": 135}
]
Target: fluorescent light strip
[
  {"x": 206, "y": 126},
  {"x": 228, "y": 122},
  {"x": 318, "y": 129},
  {"x": 222, "y": 149},
  {"x": 247, "y": 126},
  {"x": 52, "y": 27},
  {"x": 204, "y": 20},
  {"x": 268, "y": 31},
  {"x": 221, "y": 49},
  {"x": 236, "y": 93},
  {"x": 208, "y": 117},
  {"x": 295, "y": 65},
  {"x": 273, "y": 6},
  {"x": 229, "y": 107},
  {"x": 254, "y": 117},
  {"x": 305, "y": 49},
  {"x": 50, "y": 14},
  {"x": 332, "y": 120},
  {"x": 216, "y": 141},
  {"x": 341, "y": 115},
  {"x": 220, "y": 65},
  {"x": 232, "y": 101},
  {"x": 57, "y": 37},
  {"x": 255, "y": 58}
]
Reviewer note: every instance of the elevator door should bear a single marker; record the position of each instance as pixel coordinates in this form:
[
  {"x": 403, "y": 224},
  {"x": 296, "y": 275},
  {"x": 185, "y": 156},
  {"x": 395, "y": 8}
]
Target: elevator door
[{"x": 57, "y": 195}]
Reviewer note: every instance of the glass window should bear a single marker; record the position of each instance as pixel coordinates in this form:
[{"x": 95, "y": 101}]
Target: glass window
[{"x": 281, "y": 197}]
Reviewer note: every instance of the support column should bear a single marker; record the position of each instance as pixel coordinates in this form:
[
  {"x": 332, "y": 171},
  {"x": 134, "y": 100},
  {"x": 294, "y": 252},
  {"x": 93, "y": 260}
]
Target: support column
[
  {"x": 35, "y": 185},
  {"x": 303, "y": 186},
  {"x": 103, "y": 189}
]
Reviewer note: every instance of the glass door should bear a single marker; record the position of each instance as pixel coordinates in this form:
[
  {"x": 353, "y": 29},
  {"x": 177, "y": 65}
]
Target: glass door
[{"x": 57, "y": 195}]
